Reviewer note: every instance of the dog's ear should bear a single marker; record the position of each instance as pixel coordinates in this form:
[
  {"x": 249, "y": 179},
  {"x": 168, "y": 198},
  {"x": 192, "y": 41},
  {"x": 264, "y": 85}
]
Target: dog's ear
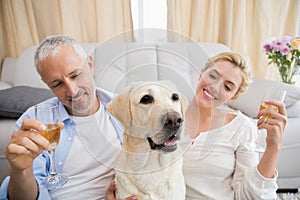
[{"x": 119, "y": 107}]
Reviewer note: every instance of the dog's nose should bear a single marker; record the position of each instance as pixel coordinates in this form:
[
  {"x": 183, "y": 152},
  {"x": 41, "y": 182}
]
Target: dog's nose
[{"x": 173, "y": 120}]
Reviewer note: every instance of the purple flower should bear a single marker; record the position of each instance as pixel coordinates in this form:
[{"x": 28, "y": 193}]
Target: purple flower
[
  {"x": 282, "y": 52},
  {"x": 267, "y": 47},
  {"x": 285, "y": 50},
  {"x": 277, "y": 45}
]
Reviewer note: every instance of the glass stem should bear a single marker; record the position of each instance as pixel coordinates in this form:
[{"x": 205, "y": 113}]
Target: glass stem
[{"x": 52, "y": 163}]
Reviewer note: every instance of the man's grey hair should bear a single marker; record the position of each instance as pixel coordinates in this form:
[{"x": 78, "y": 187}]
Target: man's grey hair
[{"x": 52, "y": 45}]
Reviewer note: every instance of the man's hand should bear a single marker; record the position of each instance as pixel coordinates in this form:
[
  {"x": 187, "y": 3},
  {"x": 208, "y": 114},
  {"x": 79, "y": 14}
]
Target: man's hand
[{"x": 26, "y": 144}]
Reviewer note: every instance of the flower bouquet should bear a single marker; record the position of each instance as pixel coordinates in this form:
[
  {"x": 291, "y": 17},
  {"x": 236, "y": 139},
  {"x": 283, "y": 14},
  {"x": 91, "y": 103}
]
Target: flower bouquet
[{"x": 284, "y": 52}]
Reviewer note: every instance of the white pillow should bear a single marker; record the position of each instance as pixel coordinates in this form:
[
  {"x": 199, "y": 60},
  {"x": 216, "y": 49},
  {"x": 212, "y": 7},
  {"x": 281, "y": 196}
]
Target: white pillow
[
  {"x": 293, "y": 111},
  {"x": 249, "y": 102}
]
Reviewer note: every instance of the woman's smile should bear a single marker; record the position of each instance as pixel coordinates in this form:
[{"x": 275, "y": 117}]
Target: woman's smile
[{"x": 208, "y": 95}]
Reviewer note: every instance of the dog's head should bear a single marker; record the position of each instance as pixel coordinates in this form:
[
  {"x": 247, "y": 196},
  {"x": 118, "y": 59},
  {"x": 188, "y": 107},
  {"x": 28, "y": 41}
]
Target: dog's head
[{"x": 153, "y": 111}]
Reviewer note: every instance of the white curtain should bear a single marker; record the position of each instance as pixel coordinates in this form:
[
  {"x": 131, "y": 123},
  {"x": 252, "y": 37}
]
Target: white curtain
[
  {"x": 27, "y": 22},
  {"x": 243, "y": 25}
]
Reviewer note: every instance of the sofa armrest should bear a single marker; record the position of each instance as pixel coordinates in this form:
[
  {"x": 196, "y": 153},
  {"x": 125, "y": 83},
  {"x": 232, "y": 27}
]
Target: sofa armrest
[
  {"x": 8, "y": 68},
  {"x": 5, "y": 85},
  {"x": 252, "y": 98}
]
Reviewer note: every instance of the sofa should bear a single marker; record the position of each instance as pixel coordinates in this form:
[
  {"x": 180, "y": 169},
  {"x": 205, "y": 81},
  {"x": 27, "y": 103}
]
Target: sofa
[{"x": 119, "y": 64}]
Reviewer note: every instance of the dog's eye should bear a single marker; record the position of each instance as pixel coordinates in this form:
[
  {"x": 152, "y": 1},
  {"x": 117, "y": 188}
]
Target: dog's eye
[
  {"x": 147, "y": 99},
  {"x": 175, "y": 97}
]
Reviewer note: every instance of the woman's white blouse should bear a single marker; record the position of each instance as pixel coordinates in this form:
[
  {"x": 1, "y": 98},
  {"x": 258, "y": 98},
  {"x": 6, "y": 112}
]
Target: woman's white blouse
[{"x": 222, "y": 164}]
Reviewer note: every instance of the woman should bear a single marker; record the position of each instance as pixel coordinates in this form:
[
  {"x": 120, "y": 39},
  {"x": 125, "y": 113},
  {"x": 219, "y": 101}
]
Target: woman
[{"x": 222, "y": 162}]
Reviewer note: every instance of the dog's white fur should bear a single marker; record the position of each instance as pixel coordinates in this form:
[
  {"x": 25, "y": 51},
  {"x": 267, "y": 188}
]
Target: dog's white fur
[{"x": 140, "y": 170}]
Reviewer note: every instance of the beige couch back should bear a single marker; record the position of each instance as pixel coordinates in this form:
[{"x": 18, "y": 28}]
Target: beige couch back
[{"x": 119, "y": 64}]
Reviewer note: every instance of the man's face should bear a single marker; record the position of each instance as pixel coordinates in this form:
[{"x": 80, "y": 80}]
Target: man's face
[{"x": 71, "y": 80}]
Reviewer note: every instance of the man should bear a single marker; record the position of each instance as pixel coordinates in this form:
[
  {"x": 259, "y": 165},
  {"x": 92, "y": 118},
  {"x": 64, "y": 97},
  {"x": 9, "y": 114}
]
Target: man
[{"x": 90, "y": 137}]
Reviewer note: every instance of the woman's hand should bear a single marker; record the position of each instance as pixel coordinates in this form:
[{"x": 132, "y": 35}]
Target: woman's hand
[
  {"x": 275, "y": 126},
  {"x": 275, "y": 129},
  {"x": 110, "y": 193}
]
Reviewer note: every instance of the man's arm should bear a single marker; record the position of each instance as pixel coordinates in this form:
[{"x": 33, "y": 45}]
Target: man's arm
[
  {"x": 25, "y": 145},
  {"x": 22, "y": 182}
]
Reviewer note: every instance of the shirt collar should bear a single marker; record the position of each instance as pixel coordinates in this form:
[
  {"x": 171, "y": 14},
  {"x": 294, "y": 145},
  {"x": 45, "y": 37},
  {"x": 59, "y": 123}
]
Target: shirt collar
[{"x": 103, "y": 96}]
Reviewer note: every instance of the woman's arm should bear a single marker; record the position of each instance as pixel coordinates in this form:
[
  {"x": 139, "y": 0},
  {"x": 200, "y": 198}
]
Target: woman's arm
[{"x": 248, "y": 182}]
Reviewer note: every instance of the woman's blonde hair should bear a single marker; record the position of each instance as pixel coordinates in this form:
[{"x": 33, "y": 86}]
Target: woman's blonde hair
[{"x": 238, "y": 61}]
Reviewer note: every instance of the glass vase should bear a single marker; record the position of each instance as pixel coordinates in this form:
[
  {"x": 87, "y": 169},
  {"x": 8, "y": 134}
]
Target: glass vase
[{"x": 289, "y": 73}]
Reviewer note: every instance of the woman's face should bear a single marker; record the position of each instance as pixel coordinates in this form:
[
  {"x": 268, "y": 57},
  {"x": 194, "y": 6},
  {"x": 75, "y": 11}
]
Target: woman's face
[{"x": 218, "y": 84}]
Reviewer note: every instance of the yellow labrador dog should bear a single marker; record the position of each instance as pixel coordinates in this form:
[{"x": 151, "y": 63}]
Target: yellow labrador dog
[{"x": 150, "y": 162}]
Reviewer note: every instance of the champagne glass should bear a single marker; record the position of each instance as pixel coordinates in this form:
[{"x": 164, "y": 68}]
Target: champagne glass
[
  {"x": 48, "y": 114},
  {"x": 271, "y": 93}
]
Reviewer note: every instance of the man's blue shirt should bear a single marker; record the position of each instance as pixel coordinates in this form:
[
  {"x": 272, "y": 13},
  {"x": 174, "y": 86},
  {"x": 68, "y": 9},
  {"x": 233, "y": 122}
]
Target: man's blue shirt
[{"x": 41, "y": 163}]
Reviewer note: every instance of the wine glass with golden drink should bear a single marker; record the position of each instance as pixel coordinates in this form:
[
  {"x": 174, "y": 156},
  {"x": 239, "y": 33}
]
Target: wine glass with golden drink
[
  {"x": 48, "y": 114},
  {"x": 274, "y": 94}
]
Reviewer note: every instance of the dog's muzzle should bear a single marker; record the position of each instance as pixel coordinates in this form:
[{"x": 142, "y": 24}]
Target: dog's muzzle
[{"x": 172, "y": 128}]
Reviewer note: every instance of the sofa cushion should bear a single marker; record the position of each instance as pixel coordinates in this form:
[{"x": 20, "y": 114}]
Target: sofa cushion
[
  {"x": 8, "y": 68},
  {"x": 293, "y": 111},
  {"x": 249, "y": 102},
  {"x": 118, "y": 65},
  {"x": 25, "y": 72},
  {"x": 14, "y": 101}
]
